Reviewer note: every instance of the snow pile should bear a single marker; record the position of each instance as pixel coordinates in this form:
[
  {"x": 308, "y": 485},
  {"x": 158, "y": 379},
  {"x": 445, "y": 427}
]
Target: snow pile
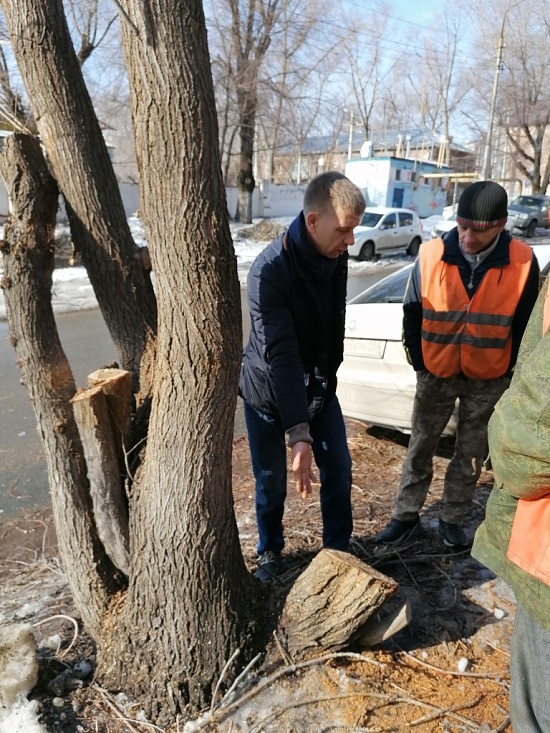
[
  {"x": 22, "y": 718},
  {"x": 18, "y": 675}
]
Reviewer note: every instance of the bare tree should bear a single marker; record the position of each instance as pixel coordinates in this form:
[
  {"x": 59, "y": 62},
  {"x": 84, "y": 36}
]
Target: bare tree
[
  {"x": 523, "y": 109},
  {"x": 165, "y": 624},
  {"x": 510, "y": 72},
  {"x": 90, "y": 25},
  {"x": 252, "y": 23},
  {"x": 428, "y": 84},
  {"x": 293, "y": 85},
  {"x": 367, "y": 69}
]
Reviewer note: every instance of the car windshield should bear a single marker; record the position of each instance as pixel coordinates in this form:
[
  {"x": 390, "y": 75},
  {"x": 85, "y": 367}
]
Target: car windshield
[
  {"x": 529, "y": 201},
  {"x": 370, "y": 219},
  {"x": 389, "y": 290}
]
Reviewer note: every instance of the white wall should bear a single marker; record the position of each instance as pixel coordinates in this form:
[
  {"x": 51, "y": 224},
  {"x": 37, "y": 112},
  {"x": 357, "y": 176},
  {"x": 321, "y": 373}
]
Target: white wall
[{"x": 268, "y": 200}]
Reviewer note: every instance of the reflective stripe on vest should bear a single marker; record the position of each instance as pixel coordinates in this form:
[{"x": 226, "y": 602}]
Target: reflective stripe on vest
[
  {"x": 529, "y": 546},
  {"x": 472, "y": 336}
]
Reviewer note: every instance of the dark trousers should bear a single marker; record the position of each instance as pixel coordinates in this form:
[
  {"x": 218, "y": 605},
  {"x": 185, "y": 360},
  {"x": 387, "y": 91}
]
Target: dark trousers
[
  {"x": 434, "y": 403},
  {"x": 266, "y": 438}
]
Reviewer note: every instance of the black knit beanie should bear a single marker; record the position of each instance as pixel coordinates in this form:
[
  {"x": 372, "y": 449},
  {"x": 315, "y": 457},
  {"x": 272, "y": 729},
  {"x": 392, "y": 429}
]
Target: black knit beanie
[{"x": 483, "y": 205}]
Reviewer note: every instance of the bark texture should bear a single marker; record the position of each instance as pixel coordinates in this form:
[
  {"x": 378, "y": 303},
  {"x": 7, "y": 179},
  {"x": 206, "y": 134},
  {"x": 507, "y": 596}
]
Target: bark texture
[
  {"x": 190, "y": 599},
  {"x": 330, "y": 603},
  {"x": 28, "y": 266},
  {"x": 102, "y": 413},
  {"x": 190, "y": 596},
  {"x": 79, "y": 161}
]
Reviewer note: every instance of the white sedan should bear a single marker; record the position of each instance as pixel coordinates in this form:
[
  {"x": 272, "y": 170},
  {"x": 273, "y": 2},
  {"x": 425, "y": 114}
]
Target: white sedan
[
  {"x": 384, "y": 229},
  {"x": 376, "y": 383}
]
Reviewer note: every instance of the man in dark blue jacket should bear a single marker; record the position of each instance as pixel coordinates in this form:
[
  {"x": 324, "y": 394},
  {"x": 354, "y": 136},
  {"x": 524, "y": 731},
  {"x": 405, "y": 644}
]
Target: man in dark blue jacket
[{"x": 297, "y": 297}]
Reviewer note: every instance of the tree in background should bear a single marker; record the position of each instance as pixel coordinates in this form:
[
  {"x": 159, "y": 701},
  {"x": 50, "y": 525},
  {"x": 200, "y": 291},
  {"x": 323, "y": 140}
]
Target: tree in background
[
  {"x": 291, "y": 80},
  {"x": 367, "y": 63},
  {"x": 523, "y": 110},
  {"x": 444, "y": 85},
  {"x": 517, "y": 81},
  {"x": 168, "y": 615},
  {"x": 252, "y": 24}
]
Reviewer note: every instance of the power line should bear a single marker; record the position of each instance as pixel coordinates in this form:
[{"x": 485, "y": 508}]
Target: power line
[{"x": 389, "y": 46}]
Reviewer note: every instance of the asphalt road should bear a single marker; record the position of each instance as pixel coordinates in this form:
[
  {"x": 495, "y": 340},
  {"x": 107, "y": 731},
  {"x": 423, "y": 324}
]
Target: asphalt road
[{"x": 23, "y": 472}]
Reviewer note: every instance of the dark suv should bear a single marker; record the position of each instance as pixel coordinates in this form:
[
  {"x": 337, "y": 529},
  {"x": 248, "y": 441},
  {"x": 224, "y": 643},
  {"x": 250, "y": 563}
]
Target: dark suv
[{"x": 530, "y": 212}]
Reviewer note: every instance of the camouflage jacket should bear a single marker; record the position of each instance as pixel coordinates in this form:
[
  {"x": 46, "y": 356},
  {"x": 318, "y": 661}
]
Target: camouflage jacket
[{"x": 519, "y": 447}]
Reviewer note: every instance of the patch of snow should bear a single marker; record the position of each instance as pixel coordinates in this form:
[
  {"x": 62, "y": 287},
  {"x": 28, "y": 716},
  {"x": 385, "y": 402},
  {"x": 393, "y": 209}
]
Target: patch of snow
[{"x": 21, "y": 718}]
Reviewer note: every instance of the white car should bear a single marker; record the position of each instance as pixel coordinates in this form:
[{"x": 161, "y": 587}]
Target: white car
[
  {"x": 383, "y": 229},
  {"x": 445, "y": 225},
  {"x": 376, "y": 383}
]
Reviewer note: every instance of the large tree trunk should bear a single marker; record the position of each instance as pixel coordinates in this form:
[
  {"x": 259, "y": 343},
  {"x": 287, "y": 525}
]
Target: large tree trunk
[
  {"x": 190, "y": 594},
  {"x": 28, "y": 265}
]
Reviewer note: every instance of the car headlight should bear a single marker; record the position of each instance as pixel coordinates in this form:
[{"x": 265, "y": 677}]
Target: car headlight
[{"x": 523, "y": 216}]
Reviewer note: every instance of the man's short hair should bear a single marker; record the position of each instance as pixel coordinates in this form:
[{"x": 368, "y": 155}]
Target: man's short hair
[{"x": 336, "y": 189}]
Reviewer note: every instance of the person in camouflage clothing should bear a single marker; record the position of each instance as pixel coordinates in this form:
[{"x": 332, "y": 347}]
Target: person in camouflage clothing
[
  {"x": 465, "y": 310},
  {"x": 514, "y": 539}
]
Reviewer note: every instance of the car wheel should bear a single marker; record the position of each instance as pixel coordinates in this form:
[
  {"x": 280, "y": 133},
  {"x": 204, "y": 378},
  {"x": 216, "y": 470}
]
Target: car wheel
[
  {"x": 367, "y": 252},
  {"x": 414, "y": 246},
  {"x": 531, "y": 229}
]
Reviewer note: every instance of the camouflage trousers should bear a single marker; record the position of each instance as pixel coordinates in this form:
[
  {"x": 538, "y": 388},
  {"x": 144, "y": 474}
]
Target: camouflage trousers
[{"x": 434, "y": 403}]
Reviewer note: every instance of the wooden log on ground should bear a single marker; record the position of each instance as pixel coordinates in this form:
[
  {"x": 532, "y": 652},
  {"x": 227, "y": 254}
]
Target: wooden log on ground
[
  {"x": 330, "y": 603},
  {"x": 94, "y": 419}
]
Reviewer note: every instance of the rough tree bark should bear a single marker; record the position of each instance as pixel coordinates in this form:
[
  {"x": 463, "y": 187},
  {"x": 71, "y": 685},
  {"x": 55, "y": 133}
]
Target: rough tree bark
[
  {"x": 165, "y": 638},
  {"x": 28, "y": 258},
  {"x": 330, "y": 604},
  {"x": 102, "y": 413},
  {"x": 79, "y": 161}
]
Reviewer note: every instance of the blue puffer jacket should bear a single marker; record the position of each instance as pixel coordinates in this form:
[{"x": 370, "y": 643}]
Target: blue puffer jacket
[{"x": 297, "y": 302}]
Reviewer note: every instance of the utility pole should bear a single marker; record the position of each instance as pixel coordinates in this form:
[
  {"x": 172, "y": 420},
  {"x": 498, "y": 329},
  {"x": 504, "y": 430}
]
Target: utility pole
[
  {"x": 486, "y": 167},
  {"x": 350, "y": 140}
]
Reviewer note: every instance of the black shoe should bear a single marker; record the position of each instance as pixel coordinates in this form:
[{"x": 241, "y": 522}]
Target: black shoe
[
  {"x": 270, "y": 565},
  {"x": 453, "y": 535},
  {"x": 398, "y": 531}
]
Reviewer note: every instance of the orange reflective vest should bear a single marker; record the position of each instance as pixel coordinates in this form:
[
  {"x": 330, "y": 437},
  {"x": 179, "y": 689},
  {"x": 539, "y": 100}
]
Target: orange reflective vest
[
  {"x": 529, "y": 546},
  {"x": 472, "y": 336}
]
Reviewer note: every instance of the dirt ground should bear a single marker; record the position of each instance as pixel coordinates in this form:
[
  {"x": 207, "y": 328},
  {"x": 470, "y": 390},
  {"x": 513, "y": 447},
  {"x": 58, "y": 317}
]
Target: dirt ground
[{"x": 447, "y": 671}]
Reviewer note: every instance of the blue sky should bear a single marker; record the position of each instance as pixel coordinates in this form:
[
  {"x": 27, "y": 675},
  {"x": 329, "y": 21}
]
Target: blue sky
[
  {"x": 411, "y": 13},
  {"x": 424, "y": 13}
]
